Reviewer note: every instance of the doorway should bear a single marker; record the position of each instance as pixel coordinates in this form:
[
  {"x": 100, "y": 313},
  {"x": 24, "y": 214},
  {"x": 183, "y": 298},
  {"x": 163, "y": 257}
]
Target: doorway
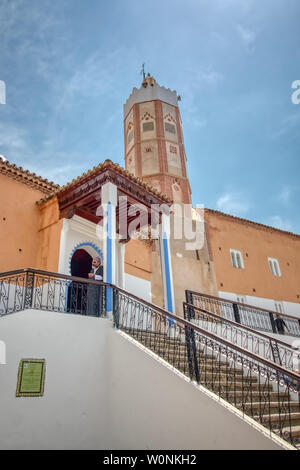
[{"x": 81, "y": 264}]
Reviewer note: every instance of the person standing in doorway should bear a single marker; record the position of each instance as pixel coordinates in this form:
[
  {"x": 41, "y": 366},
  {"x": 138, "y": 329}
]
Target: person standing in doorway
[{"x": 97, "y": 269}]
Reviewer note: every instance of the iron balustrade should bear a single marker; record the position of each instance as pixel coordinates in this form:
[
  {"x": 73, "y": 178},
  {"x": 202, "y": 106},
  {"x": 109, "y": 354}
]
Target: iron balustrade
[
  {"x": 12, "y": 291},
  {"x": 258, "y": 387},
  {"x": 259, "y": 343},
  {"x": 41, "y": 290},
  {"x": 253, "y": 317}
]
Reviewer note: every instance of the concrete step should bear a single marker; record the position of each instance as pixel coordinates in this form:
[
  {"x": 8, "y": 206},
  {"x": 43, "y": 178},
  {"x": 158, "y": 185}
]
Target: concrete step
[
  {"x": 159, "y": 340},
  {"x": 234, "y": 382},
  {"x": 168, "y": 348},
  {"x": 207, "y": 370},
  {"x": 211, "y": 363},
  {"x": 224, "y": 369},
  {"x": 288, "y": 432},
  {"x": 231, "y": 376},
  {"x": 153, "y": 334},
  {"x": 273, "y": 407},
  {"x": 204, "y": 364},
  {"x": 234, "y": 386},
  {"x": 257, "y": 395},
  {"x": 179, "y": 353},
  {"x": 278, "y": 418}
]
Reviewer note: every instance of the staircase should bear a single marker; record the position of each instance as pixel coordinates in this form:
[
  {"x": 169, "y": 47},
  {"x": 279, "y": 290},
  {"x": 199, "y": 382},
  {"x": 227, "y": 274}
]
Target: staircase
[
  {"x": 274, "y": 410},
  {"x": 257, "y": 381}
]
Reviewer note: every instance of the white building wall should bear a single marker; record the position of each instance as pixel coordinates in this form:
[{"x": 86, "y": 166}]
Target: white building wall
[
  {"x": 137, "y": 286},
  {"x": 290, "y": 308},
  {"x": 73, "y": 411}
]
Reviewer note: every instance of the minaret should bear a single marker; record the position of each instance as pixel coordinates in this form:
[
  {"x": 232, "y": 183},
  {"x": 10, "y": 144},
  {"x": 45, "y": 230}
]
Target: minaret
[{"x": 154, "y": 147}]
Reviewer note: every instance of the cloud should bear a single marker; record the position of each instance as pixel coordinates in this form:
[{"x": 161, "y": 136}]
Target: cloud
[
  {"x": 208, "y": 76},
  {"x": 278, "y": 222},
  {"x": 13, "y": 138},
  {"x": 96, "y": 77},
  {"x": 285, "y": 195},
  {"x": 197, "y": 82},
  {"x": 288, "y": 124},
  {"x": 200, "y": 122},
  {"x": 15, "y": 143},
  {"x": 26, "y": 29},
  {"x": 233, "y": 203},
  {"x": 247, "y": 35}
]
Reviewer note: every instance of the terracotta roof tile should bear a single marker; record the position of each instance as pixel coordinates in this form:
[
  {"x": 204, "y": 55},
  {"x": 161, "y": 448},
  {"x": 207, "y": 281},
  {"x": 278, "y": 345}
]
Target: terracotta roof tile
[
  {"x": 106, "y": 164},
  {"x": 250, "y": 222},
  {"x": 26, "y": 177}
]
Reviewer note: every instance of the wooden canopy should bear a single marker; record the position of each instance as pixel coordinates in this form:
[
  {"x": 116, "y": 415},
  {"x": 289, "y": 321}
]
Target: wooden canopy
[{"x": 83, "y": 195}]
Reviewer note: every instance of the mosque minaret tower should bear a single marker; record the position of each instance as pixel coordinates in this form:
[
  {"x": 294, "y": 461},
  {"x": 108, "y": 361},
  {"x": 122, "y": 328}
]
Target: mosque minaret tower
[{"x": 154, "y": 147}]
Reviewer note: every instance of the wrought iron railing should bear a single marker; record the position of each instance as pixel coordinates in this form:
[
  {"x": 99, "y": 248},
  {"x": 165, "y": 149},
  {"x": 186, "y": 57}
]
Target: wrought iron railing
[
  {"x": 254, "y": 341},
  {"x": 31, "y": 288},
  {"x": 258, "y": 387},
  {"x": 261, "y": 389},
  {"x": 253, "y": 317}
]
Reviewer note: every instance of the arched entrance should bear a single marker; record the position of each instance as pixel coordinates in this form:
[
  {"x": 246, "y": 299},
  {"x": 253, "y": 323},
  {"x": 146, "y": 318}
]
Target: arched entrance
[
  {"x": 83, "y": 298},
  {"x": 80, "y": 266},
  {"x": 81, "y": 263}
]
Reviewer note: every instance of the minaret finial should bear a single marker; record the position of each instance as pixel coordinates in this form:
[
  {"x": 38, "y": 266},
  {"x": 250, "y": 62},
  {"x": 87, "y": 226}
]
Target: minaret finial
[{"x": 143, "y": 71}]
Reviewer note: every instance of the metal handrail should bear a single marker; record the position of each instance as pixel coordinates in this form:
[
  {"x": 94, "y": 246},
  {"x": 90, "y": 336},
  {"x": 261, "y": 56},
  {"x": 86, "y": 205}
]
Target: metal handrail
[
  {"x": 276, "y": 346},
  {"x": 221, "y": 299},
  {"x": 198, "y": 329},
  {"x": 50, "y": 273},
  {"x": 34, "y": 288},
  {"x": 237, "y": 325}
]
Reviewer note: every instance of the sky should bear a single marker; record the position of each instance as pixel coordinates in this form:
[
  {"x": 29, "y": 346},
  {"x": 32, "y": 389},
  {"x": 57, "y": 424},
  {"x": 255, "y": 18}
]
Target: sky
[{"x": 70, "y": 65}]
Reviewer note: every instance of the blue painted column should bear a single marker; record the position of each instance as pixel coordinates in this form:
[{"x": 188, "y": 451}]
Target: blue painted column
[
  {"x": 110, "y": 262},
  {"x": 166, "y": 264}
]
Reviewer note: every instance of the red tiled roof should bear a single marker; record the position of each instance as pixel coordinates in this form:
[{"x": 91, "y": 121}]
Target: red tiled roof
[
  {"x": 107, "y": 164},
  {"x": 250, "y": 222},
  {"x": 24, "y": 176}
]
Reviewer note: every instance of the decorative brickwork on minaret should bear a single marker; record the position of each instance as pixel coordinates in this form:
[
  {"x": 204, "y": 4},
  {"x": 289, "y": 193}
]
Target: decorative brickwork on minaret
[{"x": 154, "y": 146}]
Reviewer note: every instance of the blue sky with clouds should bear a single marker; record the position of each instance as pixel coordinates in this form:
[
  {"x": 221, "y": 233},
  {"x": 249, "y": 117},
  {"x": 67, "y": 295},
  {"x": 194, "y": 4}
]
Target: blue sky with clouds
[{"x": 69, "y": 66}]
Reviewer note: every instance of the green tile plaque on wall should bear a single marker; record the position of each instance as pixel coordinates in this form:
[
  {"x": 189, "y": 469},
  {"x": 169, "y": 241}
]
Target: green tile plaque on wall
[{"x": 31, "y": 378}]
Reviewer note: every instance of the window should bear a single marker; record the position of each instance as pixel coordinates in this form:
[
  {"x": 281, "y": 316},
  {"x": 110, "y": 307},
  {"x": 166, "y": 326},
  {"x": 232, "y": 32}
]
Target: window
[
  {"x": 274, "y": 266},
  {"x": 279, "y": 307},
  {"x": 237, "y": 259},
  {"x": 148, "y": 126},
  {"x": 170, "y": 128}
]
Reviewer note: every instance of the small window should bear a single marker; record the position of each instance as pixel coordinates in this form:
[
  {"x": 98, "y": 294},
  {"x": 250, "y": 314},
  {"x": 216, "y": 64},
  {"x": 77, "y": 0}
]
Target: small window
[
  {"x": 279, "y": 307},
  {"x": 241, "y": 299},
  {"x": 237, "y": 259},
  {"x": 274, "y": 266},
  {"x": 148, "y": 126},
  {"x": 170, "y": 128}
]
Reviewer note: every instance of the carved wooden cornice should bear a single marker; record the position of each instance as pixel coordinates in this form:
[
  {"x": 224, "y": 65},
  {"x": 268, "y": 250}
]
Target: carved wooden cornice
[{"x": 89, "y": 183}]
